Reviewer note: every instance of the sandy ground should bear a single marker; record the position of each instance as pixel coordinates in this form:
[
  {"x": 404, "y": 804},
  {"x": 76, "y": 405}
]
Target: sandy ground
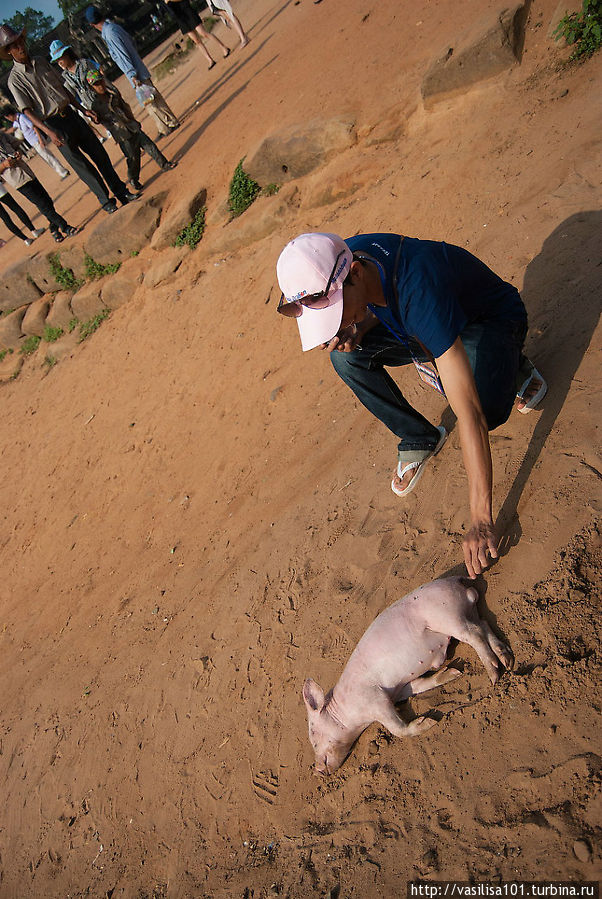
[{"x": 196, "y": 516}]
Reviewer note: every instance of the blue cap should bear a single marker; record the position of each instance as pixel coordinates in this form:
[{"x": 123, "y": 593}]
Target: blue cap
[
  {"x": 57, "y": 48},
  {"x": 93, "y": 15}
]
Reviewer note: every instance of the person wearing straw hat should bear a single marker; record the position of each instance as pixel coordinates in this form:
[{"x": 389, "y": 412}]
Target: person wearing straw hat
[
  {"x": 378, "y": 300},
  {"x": 40, "y": 93}
]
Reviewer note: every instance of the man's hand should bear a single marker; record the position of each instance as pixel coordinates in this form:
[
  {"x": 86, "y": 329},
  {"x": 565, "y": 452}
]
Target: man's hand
[
  {"x": 345, "y": 341},
  {"x": 480, "y": 540},
  {"x": 56, "y": 140},
  {"x": 136, "y": 82},
  {"x": 91, "y": 115}
]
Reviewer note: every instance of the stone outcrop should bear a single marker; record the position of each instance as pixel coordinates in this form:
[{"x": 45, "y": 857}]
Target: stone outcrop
[
  {"x": 60, "y": 313},
  {"x": 86, "y": 303},
  {"x": 10, "y": 329},
  {"x": 40, "y": 273},
  {"x": 176, "y": 216},
  {"x": 57, "y": 349},
  {"x": 121, "y": 287},
  {"x": 127, "y": 232},
  {"x": 16, "y": 288},
  {"x": 10, "y": 366},
  {"x": 34, "y": 320},
  {"x": 166, "y": 265},
  {"x": 494, "y": 43},
  {"x": 299, "y": 150}
]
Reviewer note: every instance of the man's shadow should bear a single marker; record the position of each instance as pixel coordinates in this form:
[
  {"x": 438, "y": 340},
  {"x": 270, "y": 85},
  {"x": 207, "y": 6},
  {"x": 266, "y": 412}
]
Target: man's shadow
[{"x": 562, "y": 290}]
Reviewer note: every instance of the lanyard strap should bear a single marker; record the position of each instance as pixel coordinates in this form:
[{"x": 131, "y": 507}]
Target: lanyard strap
[{"x": 427, "y": 371}]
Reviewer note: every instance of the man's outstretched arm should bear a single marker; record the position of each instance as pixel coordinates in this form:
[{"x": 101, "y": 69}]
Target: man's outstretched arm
[{"x": 460, "y": 388}]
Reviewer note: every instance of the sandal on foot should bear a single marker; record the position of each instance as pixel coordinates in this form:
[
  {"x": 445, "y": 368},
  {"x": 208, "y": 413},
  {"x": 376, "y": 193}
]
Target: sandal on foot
[
  {"x": 58, "y": 237},
  {"x": 415, "y": 460},
  {"x": 537, "y": 397}
]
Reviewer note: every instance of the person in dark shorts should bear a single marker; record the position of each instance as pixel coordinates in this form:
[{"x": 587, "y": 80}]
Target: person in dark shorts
[{"x": 190, "y": 24}]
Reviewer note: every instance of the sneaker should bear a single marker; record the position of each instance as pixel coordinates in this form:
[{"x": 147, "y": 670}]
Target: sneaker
[
  {"x": 129, "y": 197},
  {"x": 110, "y": 206},
  {"x": 58, "y": 237},
  {"x": 37, "y": 232},
  {"x": 28, "y": 241},
  {"x": 168, "y": 166},
  {"x": 66, "y": 175},
  {"x": 136, "y": 185}
]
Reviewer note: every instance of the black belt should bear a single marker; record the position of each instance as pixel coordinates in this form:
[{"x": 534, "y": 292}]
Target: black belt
[{"x": 61, "y": 112}]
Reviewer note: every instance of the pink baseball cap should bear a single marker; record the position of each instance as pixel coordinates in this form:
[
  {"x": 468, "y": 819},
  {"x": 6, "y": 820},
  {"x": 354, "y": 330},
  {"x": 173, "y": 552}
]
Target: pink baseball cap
[{"x": 303, "y": 268}]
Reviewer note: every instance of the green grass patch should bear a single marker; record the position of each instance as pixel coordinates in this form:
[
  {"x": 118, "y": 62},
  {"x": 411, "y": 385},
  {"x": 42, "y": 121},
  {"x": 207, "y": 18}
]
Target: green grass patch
[
  {"x": 4, "y": 354},
  {"x": 173, "y": 60},
  {"x": 64, "y": 277},
  {"x": 49, "y": 361},
  {"x": 89, "y": 327},
  {"x": 94, "y": 270},
  {"x": 243, "y": 191},
  {"x": 270, "y": 190},
  {"x": 193, "y": 232},
  {"x": 29, "y": 345},
  {"x": 584, "y": 29},
  {"x": 72, "y": 325},
  {"x": 52, "y": 334}
]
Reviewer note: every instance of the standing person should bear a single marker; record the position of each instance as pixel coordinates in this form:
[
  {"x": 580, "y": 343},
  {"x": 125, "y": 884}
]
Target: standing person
[
  {"x": 223, "y": 9},
  {"x": 11, "y": 203},
  {"x": 383, "y": 299},
  {"x": 124, "y": 53},
  {"x": 191, "y": 25},
  {"x": 17, "y": 174},
  {"x": 34, "y": 136},
  {"x": 74, "y": 71},
  {"x": 116, "y": 115},
  {"x": 40, "y": 93}
]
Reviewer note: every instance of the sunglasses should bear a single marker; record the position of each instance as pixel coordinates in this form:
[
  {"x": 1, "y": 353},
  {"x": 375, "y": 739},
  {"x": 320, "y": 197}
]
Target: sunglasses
[{"x": 312, "y": 301}]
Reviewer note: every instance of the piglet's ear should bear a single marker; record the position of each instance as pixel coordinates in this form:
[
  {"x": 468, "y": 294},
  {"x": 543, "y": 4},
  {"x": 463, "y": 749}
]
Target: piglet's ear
[{"x": 313, "y": 695}]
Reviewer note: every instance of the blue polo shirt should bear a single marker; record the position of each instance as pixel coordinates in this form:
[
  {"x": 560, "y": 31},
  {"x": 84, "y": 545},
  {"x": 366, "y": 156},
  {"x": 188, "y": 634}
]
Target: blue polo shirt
[
  {"x": 123, "y": 51},
  {"x": 441, "y": 289}
]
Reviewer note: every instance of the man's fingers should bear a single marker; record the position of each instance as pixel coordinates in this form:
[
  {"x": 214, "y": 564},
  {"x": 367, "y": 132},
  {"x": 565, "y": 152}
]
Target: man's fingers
[{"x": 468, "y": 560}]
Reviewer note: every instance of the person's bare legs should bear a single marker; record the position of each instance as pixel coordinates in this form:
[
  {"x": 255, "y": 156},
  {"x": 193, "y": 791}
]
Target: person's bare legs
[
  {"x": 199, "y": 35},
  {"x": 194, "y": 37},
  {"x": 243, "y": 38}
]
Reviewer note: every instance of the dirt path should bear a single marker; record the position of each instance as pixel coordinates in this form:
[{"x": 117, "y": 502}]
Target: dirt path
[{"x": 196, "y": 515}]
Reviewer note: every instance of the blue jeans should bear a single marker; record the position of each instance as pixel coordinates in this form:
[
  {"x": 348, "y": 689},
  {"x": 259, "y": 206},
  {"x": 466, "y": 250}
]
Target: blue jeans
[{"x": 494, "y": 350}]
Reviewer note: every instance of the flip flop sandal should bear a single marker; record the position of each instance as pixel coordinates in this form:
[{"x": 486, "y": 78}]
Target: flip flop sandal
[
  {"x": 537, "y": 397},
  {"x": 415, "y": 459}
]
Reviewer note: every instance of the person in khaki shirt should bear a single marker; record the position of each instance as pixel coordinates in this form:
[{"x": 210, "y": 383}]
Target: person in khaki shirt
[
  {"x": 16, "y": 173},
  {"x": 39, "y": 92}
]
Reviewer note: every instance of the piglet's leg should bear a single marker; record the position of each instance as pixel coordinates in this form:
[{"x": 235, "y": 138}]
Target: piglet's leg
[
  {"x": 429, "y": 682},
  {"x": 395, "y": 725},
  {"x": 487, "y": 646}
]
